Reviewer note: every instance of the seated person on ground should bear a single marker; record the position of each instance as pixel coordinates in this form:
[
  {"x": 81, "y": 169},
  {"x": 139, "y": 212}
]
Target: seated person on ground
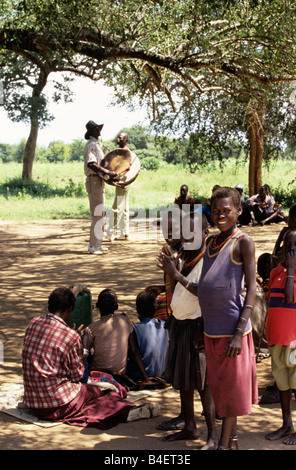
[
  {"x": 53, "y": 361},
  {"x": 151, "y": 336},
  {"x": 113, "y": 338},
  {"x": 263, "y": 208}
]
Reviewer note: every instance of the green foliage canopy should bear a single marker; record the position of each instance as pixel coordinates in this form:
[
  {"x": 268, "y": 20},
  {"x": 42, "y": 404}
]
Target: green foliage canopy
[
  {"x": 160, "y": 47},
  {"x": 163, "y": 54}
]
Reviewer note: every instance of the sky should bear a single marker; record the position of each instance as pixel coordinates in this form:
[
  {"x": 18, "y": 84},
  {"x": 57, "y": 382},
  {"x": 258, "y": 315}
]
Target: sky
[{"x": 90, "y": 101}]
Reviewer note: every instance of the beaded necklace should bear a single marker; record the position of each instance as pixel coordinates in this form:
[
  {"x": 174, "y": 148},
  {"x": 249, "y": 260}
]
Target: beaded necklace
[
  {"x": 193, "y": 261},
  {"x": 216, "y": 247}
]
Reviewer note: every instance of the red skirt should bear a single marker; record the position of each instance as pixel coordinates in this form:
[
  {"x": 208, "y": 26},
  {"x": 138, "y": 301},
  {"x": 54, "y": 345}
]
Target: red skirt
[
  {"x": 91, "y": 407},
  {"x": 232, "y": 380}
]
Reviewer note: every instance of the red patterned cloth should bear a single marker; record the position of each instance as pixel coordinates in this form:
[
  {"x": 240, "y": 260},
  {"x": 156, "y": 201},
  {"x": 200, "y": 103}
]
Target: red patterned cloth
[
  {"x": 163, "y": 310},
  {"x": 52, "y": 363}
]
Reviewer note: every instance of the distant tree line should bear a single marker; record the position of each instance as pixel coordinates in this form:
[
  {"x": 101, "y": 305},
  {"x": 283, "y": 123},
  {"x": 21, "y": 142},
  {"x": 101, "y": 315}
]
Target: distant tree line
[{"x": 152, "y": 150}]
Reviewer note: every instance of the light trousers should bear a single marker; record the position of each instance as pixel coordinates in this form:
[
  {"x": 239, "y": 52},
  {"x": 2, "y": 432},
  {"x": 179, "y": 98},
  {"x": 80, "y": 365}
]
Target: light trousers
[
  {"x": 96, "y": 194},
  {"x": 119, "y": 217}
]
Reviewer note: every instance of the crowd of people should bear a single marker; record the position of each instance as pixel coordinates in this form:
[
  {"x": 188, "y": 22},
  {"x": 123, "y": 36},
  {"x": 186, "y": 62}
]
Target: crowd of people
[
  {"x": 194, "y": 331},
  {"x": 259, "y": 209}
]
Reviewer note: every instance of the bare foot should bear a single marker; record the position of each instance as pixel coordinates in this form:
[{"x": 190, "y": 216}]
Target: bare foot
[
  {"x": 182, "y": 435},
  {"x": 291, "y": 440},
  {"x": 281, "y": 432},
  {"x": 212, "y": 443}
]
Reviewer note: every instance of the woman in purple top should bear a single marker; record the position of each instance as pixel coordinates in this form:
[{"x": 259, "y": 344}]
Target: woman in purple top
[{"x": 229, "y": 264}]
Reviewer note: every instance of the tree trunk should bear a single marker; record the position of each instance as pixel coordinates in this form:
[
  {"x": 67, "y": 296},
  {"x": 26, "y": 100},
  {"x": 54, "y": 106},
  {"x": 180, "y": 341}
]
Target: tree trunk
[
  {"x": 256, "y": 141},
  {"x": 30, "y": 149}
]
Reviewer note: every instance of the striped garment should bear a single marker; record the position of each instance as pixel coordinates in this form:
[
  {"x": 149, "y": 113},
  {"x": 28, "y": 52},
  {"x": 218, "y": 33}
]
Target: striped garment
[
  {"x": 163, "y": 310},
  {"x": 52, "y": 362},
  {"x": 281, "y": 320}
]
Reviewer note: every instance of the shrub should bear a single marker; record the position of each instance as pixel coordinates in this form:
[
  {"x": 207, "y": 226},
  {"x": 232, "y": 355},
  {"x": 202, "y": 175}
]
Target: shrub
[
  {"x": 18, "y": 187},
  {"x": 150, "y": 163},
  {"x": 285, "y": 195}
]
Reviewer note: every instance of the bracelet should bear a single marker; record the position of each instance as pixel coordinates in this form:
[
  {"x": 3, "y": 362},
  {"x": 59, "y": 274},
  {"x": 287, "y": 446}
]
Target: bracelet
[
  {"x": 85, "y": 352},
  {"x": 243, "y": 319},
  {"x": 248, "y": 306},
  {"x": 290, "y": 276},
  {"x": 238, "y": 329}
]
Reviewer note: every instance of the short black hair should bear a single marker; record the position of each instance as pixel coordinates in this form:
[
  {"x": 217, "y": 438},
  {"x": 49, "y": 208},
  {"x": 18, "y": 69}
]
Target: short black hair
[
  {"x": 263, "y": 265},
  {"x": 61, "y": 299},
  {"x": 107, "y": 301},
  {"x": 266, "y": 187},
  {"x": 224, "y": 192},
  {"x": 146, "y": 304}
]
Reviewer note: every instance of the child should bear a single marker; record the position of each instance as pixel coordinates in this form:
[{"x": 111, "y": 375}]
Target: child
[
  {"x": 151, "y": 337},
  {"x": 113, "y": 338},
  {"x": 186, "y": 368},
  {"x": 228, "y": 262},
  {"x": 266, "y": 261},
  {"x": 278, "y": 252},
  {"x": 172, "y": 247},
  {"x": 281, "y": 334}
]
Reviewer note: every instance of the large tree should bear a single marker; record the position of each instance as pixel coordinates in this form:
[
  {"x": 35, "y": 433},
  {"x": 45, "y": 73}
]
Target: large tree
[
  {"x": 262, "y": 123},
  {"x": 166, "y": 48},
  {"x": 24, "y": 78},
  {"x": 24, "y": 83}
]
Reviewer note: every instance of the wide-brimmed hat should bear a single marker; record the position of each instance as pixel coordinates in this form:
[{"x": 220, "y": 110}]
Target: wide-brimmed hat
[{"x": 90, "y": 126}]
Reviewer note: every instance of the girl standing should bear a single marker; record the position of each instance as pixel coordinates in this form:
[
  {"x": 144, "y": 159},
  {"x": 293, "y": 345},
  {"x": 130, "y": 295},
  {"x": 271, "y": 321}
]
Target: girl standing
[{"x": 229, "y": 265}]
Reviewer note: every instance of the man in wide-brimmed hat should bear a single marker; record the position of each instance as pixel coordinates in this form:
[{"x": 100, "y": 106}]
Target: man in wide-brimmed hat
[{"x": 95, "y": 173}]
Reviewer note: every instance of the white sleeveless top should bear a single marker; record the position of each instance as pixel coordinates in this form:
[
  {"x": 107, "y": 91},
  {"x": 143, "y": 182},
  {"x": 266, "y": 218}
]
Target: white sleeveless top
[{"x": 184, "y": 304}]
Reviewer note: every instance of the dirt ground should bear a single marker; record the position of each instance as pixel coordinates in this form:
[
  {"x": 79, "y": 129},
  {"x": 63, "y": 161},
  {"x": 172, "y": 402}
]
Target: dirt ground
[{"x": 38, "y": 256}]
